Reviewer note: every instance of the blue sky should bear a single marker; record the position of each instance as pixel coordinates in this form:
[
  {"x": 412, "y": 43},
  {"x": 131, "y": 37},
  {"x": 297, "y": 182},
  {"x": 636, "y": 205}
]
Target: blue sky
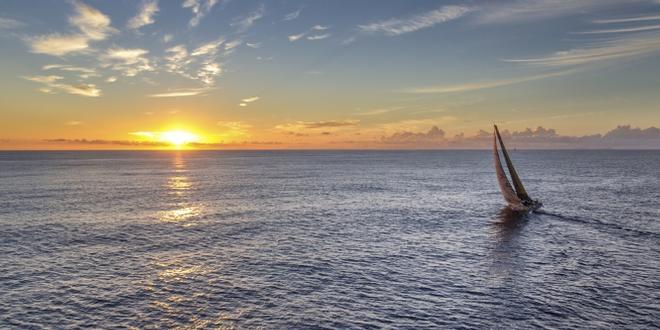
[{"x": 323, "y": 72}]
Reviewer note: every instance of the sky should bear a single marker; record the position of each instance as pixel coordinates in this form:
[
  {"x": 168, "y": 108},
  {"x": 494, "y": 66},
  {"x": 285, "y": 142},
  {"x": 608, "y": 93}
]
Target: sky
[{"x": 287, "y": 74}]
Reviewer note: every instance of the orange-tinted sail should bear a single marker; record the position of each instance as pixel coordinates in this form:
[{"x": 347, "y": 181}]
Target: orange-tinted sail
[
  {"x": 517, "y": 184},
  {"x": 510, "y": 196}
]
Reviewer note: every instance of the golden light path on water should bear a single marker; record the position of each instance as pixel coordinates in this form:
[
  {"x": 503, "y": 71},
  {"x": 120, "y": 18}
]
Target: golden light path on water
[
  {"x": 179, "y": 188},
  {"x": 173, "y": 271}
]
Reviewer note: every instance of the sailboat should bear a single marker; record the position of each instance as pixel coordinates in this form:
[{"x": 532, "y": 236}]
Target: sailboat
[{"x": 516, "y": 196}]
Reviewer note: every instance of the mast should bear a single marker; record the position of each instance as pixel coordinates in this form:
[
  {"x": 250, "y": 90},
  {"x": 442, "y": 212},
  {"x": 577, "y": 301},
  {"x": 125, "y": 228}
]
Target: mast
[
  {"x": 517, "y": 184},
  {"x": 507, "y": 191}
]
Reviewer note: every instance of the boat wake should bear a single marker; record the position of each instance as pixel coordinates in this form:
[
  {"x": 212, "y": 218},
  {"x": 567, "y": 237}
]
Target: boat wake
[{"x": 596, "y": 222}]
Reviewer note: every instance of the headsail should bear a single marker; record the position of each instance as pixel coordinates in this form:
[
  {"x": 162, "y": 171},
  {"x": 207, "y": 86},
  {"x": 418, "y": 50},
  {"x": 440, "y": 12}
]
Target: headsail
[
  {"x": 510, "y": 196},
  {"x": 517, "y": 184}
]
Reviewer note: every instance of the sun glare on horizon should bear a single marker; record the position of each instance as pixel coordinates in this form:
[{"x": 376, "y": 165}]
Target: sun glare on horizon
[{"x": 178, "y": 138}]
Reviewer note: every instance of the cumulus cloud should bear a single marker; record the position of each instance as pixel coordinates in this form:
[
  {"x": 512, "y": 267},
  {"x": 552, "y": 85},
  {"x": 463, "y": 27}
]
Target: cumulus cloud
[
  {"x": 145, "y": 15},
  {"x": 398, "y": 26},
  {"x": 627, "y": 132},
  {"x": 199, "y": 9},
  {"x": 54, "y": 83},
  {"x": 622, "y": 137},
  {"x": 434, "y": 135}
]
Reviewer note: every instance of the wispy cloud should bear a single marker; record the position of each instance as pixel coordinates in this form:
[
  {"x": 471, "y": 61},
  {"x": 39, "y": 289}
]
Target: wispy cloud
[
  {"x": 398, "y": 26},
  {"x": 201, "y": 64},
  {"x": 251, "y": 99},
  {"x": 9, "y": 23},
  {"x": 234, "y": 128},
  {"x": 292, "y": 15},
  {"x": 91, "y": 22},
  {"x": 296, "y": 37},
  {"x": 442, "y": 89},
  {"x": 82, "y": 72},
  {"x": 622, "y": 30},
  {"x": 145, "y": 15},
  {"x": 58, "y": 45},
  {"x": 253, "y": 44},
  {"x": 128, "y": 61},
  {"x": 208, "y": 48},
  {"x": 515, "y": 11},
  {"x": 380, "y": 111},
  {"x": 313, "y": 125},
  {"x": 177, "y": 58},
  {"x": 92, "y": 25},
  {"x": 199, "y": 9},
  {"x": 627, "y": 19},
  {"x": 246, "y": 22},
  {"x": 598, "y": 52},
  {"x": 65, "y": 67},
  {"x": 181, "y": 93},
  {"x": 74, "y": 123},
  {"x": 245, "y": 101},
  {"x": 319, "y": 37},
  {"x": 53, "y": 84}
]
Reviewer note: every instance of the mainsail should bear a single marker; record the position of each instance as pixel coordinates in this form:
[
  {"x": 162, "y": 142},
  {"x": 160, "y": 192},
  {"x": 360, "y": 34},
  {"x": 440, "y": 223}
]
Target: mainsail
[
  {"x": 517, "y": 184},
  {"x": 510, "y": 196}
]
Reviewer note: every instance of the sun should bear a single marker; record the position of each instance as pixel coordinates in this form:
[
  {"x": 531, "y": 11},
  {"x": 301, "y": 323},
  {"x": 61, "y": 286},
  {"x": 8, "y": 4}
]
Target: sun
[{"x": 178, "y": 138}]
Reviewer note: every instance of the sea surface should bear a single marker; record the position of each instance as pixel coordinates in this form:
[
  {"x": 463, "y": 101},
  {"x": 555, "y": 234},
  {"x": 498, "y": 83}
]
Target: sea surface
[{"x": 327, "y": 239}]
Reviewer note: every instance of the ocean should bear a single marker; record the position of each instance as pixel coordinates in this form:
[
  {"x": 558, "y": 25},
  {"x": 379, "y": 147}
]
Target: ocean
[{"x": 327, "y": 239}]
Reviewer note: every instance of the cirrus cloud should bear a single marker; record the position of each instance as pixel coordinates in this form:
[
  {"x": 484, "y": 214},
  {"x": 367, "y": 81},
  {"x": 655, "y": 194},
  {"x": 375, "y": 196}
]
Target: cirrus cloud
[{"x": 398, "y": 26}]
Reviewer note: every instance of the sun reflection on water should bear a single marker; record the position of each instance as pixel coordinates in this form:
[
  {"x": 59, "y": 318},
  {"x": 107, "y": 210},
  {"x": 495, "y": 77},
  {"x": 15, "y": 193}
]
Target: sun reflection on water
[
  {"x": 180, "y": 188},
  {"x": 182, "y": 213}
]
